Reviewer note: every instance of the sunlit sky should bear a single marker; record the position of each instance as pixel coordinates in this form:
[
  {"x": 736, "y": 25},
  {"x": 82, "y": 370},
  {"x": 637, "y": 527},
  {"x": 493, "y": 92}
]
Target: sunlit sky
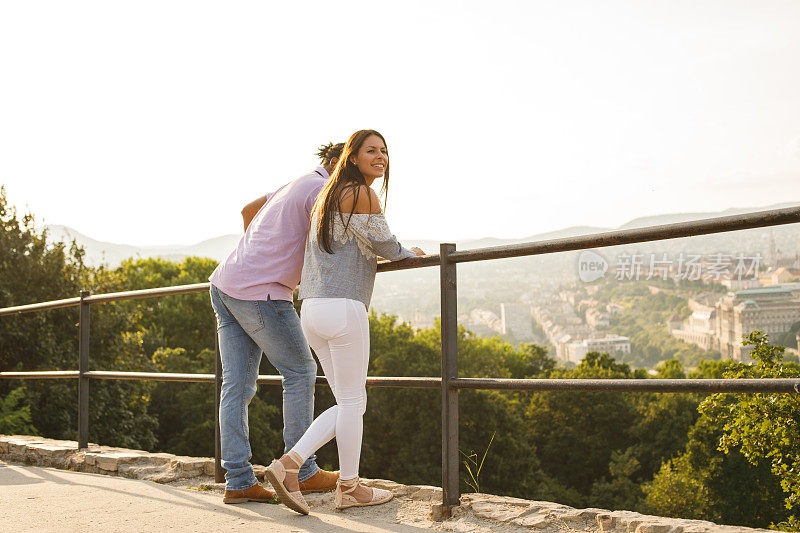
[{"x": 155, "y": 122}]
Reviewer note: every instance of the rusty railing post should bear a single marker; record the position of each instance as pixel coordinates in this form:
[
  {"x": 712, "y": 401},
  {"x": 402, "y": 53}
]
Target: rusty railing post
[
  {"x": 449, "y": 325},
  {"x": 83, "y": 367},
  {"x": 219, "y": 472}
]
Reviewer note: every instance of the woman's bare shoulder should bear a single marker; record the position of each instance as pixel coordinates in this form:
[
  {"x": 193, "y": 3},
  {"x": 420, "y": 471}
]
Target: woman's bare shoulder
[{"x": 366, "y": 201}]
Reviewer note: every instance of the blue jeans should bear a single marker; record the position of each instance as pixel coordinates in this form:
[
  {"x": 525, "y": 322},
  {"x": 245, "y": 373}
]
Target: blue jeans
[{"x": 246, "y": 329}]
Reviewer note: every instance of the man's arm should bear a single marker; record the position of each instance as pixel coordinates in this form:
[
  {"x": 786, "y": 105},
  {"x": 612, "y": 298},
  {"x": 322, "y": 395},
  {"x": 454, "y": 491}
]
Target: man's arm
[{"x": 249, "y": 211}]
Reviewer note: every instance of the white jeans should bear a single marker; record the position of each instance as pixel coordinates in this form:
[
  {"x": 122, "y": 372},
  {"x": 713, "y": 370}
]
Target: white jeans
[{"x": 338, "y": 331}]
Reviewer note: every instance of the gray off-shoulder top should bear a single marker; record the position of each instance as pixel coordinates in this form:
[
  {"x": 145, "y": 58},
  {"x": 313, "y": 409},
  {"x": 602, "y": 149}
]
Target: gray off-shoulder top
[{"x": 348, "y": 272}]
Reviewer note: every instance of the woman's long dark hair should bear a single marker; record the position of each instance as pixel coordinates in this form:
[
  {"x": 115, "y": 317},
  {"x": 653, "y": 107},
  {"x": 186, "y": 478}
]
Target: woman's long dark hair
[{"x": 345, "y": 175}]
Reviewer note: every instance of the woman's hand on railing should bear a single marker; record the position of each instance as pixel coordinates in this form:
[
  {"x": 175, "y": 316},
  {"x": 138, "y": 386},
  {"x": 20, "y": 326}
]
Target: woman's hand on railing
[{"x": 414, "y": 249}]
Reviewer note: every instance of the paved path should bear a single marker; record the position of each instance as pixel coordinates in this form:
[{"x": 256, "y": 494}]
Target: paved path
[{"x": 47, "y": 499}]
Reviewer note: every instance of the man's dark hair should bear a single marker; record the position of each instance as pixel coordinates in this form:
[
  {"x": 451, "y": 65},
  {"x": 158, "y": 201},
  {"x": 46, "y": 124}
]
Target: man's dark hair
[{"x": 328, "y": 151}]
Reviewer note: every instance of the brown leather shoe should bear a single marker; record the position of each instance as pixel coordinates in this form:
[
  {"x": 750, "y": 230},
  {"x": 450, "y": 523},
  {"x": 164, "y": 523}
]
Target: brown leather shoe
[
  {"x": 322, "y": 481},
  {"x": 256, "y": 493}
]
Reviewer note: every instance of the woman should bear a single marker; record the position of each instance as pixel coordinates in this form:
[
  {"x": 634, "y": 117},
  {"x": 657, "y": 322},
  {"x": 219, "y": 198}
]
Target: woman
[{"x": 348, "y": 232}]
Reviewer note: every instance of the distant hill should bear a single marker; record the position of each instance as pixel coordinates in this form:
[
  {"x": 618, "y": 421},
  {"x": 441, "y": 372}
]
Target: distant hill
[
  {"x": 112, "y": 254},
  {"x": 656, "y": 220},
  {"x": 218, "y": 248}
]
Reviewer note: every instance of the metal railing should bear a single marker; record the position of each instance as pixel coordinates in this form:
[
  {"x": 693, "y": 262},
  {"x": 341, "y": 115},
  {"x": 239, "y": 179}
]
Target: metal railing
[{"x": 449, "y": 383}]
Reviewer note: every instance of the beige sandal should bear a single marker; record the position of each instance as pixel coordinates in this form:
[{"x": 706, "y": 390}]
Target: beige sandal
[
  {"x": 276, "y": 474},
  {"x": 344, "y": 499}
]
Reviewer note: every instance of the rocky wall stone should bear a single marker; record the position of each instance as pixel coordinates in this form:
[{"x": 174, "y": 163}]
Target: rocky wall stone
[
  {"x": 137, "y": 464},
  {"x": 547, "y": 516}
]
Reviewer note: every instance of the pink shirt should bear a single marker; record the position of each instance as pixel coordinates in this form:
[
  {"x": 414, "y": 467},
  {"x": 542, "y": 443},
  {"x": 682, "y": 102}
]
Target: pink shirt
[{"x": 269, "y": 257}]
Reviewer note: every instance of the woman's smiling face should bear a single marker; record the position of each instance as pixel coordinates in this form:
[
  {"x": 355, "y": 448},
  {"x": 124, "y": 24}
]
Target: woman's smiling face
[{"x": 372, "y": 159}]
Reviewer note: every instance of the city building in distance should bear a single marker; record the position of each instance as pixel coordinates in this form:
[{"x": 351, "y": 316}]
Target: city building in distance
[
  {"x": 720, "y": 325},
  {"x": 515, "y": 319},
  {"x": 771, "y": 309},
  {"x": 611, "y": 344}
]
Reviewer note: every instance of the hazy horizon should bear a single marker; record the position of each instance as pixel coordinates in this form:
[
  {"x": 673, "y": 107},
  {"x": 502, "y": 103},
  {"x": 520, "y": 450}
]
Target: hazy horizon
[
  {"x": 405, "y": 237},
  {"x": 514, "y": 119}
]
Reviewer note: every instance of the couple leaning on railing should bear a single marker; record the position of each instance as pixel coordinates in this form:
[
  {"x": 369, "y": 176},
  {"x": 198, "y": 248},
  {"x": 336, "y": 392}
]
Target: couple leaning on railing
[{"x": 324, "y": 231}]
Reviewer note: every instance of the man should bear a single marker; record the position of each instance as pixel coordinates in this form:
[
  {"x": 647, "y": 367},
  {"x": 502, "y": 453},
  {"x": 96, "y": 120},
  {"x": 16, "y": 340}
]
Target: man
[{"x": 251, "y": 293}]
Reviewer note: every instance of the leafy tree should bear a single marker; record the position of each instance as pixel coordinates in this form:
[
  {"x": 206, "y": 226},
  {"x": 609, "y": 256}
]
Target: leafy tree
[
  {"x": 15, "y": 416},
  {"x": 34, "y": 270},
  {"x": 789, "y": 338},
  {"x": 173, "y": 334},
  {"x": 712, "y": 369},
  {"x": 707, "y": 484},
  {"x": 661, "y": 428},
  {"x": 739, "y": 440},
  {"x": 621, "y": 491},
  {"x": 663, "y": 423},
  {"x": 678, "y": 490},
  {"x": 670, "y": 369},
  {"x": 184, "y": 321},
  {"x": 530, "y": 361},
  {"x": 576, "y": 433},
  {"x": 762, "y": 427}
]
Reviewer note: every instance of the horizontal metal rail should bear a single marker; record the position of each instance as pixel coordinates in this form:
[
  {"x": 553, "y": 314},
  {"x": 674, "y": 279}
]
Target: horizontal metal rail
[
  {"x": 264, "y": 379},
  {"x": 44, "y": 374},
  {"x": 148, "y": 293},
  {"x": 383, "y": 266},
  {"x": 765, "y": 385},
  {"x": 760, "y": 219},
  {"x": 150, "y": 376},
  {"x": 412, "y": 262},
  {"x": 412, "y": 382},
  {"x": 29, "y": 308}
]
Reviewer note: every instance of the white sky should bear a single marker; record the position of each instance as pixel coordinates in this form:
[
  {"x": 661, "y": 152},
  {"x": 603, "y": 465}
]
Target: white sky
[{"x": 155, "y": 122}]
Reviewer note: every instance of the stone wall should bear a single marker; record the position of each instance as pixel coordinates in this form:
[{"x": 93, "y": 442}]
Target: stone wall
[
  {"x": 420, "y": 505},
  {"x": 137, "y": 464}
]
